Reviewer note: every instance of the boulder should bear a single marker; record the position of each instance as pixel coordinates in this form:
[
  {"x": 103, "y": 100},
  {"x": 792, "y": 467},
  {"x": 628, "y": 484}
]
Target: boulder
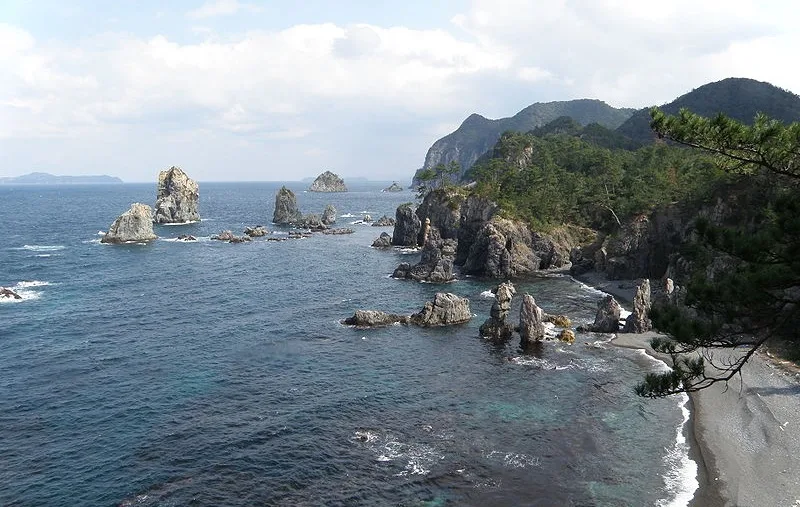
[
  {"x": 178, "y": 198},
  {"x": 566, "y": 335},
  {"x": 338, "y": 232},
  {"x": 407, "y": 226},
  {"x": 186, "y": 237},
  {"x": 639, "y": 321},
  {"x": 383, "y": 241},
  {"x": 328, "y": 182},
  {"x": 497, "y": 325},
  {"x": 230, "y": 237},
  {"x": 436, "y": 262},
  {"x": 311, "y": 221},
  {"x": 374, "y": 318},
  {"x": 394, "y": 187},
  {"x": 286, "y": 211},
  {"x": 446, "y": 309},
  {"x": 607, "y": 318},
  {"x": 133, "y": 226},
  {"x": 383, "y": 221},
  {"x": 256, "y": 232},
  {"x": 531, "y": 321},
  {"x": 8, "y": 294},
  {"x": 329, "y": 215},
  {"x": 558, "y": 320}
]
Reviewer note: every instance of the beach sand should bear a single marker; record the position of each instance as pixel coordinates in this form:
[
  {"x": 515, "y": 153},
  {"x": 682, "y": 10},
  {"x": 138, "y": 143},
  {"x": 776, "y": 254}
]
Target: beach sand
[{"x": 746, "y": 435}]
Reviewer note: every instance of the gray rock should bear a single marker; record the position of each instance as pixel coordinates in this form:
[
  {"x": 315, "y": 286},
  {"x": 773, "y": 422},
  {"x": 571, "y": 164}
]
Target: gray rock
[
  {"x": 338, "y": 232},
  {"x": 607, "y": 318},
  {"x": 383, "y": 241},
  {"x": 384, "y": 221},
  {"x": 374, "y": 318},
  {"x": 230, "y": 237},
  {"x": 407, "y": 226},
  {"x": 186, "y": 237},
  {"x": 256, "y": 232},
  {"x": 133, "y": 226},
  {"x": 475, "y": 213},
  {"x": 443, "y": 208},
  {"x": 394, "y": 187},
  {"x": 436, "y": 261},
  {"x": 8, "y": 294},
  {"x": 311, "y": 221},
  {"x": 446, "y": 309},
  {"x": 328, "y": 182},
  {"x": 531, "y": 321},
  {"x": 178, "y": 198},
  {"x": 497, "y": 325},
  {"x": 639, "y": 321},
  {"x": 286, "y": 211},
  {"x": 366, "y": 219},
  {"x": 329, "y": 215}
]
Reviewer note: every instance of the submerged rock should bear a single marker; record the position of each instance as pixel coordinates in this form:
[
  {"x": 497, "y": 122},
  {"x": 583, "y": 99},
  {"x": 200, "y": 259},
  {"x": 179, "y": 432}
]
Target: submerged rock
[
  {"x": 497, "y": 325},
  {"x": 531, "y": 321},
  {"x": 384, "y": 221},
  {"x": 178, "y": 198},
  {"x": 328, "y": 182},
  {"x": 558, "y": 320},
  {"x": 446, "y": 309},
  {"x": 230, "y": 237},
  {"x": 639, "y": 321},
  {"x": 394, "y": 187},
  {"x": 186, "y": 237},
  {"x": 256, "y": 232},
  {"x": 339, "y": 231},
  {"x": 8, "y": 294},
  {"x": 133, "y": 226},
  {"x": 286, "y": 211},
  {"x": 383, "y": 241},
  {"x": 329, "y": 215}
]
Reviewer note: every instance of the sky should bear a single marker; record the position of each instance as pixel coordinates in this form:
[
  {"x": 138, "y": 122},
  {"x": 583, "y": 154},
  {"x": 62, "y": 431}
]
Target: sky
[{"x": 251, "y": 90}]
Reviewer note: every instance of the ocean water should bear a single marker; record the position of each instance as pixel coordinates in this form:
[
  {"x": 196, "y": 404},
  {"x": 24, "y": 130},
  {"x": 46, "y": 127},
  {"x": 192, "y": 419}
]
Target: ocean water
[{"x": 210, "y": 373}]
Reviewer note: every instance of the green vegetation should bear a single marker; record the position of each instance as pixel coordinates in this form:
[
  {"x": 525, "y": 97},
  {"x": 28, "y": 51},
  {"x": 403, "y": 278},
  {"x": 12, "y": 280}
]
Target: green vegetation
[{"x": 746, "y": 288}]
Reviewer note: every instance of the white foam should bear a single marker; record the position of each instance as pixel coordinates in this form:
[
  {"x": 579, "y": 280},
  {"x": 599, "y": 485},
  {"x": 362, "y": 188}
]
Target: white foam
[
  {"x": 487, "y": 294},
  {"x": 183, "y": 223},
  {"x": 681, "y": 478},
  {"x": 347, "y": 215},
  {"x": 30, "y": 283},
  {"x": 101, "y": 233},
  {"x": 44, "y": 255},
  {"x": 43, "y": 248},
  {"x": 624, "y": 314},
  {"x": 26, "y": 291},
  {"x": 408, "y": 250}
]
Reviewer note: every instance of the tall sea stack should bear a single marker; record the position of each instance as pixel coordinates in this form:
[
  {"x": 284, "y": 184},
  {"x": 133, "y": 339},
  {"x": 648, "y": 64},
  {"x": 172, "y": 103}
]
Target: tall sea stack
[{"x": 178, "y": 197}]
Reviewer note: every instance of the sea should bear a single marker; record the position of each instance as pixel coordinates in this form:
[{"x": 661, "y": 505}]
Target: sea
[{"x": 218, "y": 374}]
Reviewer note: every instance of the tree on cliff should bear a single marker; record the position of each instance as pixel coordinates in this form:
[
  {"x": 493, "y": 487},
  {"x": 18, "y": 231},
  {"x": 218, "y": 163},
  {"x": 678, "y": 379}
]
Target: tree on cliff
[{"x": 745, "y": 286}]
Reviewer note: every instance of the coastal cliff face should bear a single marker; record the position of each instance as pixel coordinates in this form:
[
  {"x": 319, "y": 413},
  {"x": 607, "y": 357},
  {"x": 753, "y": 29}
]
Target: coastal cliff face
[
  {"x": 328, "y": 182},
  {"x": 133, "y": 226},
  {"x": 178, "y": 198}
]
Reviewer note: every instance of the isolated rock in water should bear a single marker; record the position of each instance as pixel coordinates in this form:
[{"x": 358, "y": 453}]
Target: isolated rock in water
[
  {"x": 407, "y": 226},
  {"x": 497, "y": 325},
  {"x": 8, "y": 294},
  {"x": 607, "y": 318},
  {"x": 178, "y": 198},
  {"x": 186, "y": 237},
  {"x": 338, "y": 232},
  {"x": 286, "y": 211},
  {"x": 394, "y": 187},
  {"x": 329, "y": 215},
  {"x": 639, "y": 321},
  {"x": 446, "y": 309},
  {"x": 383, "y": 241},
  {"x": 328, "y": 182},
  {"x": 435, "y": 264},
  {"x": 566, "y": 335},
  {"x": 135, "y": 225},
  {"x": 558, "y": 320},
  {"x": 531, "y": 321},
  {"x": 383, "y": 221},
  {"x": 374, "y": 318},
  {"x": 367, "y": 219},
  {"x": 230, "y": 237},
  {"x": 311, "y": 221},
  {"x": 256, "y": 232}
]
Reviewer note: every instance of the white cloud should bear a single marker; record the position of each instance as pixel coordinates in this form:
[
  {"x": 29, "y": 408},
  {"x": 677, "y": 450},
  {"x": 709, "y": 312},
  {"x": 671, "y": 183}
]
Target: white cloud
[{"x": 213, "y": 8}]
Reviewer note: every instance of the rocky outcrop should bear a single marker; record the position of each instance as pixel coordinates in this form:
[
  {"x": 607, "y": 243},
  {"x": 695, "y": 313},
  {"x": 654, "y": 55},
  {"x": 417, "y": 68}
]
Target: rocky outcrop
[
  {"x": 375, "y": 318},
  {"x": 442, "y": 207},
  {"x": 394, "y": 187},
  {"x": 558, "y": 320},
  {"x": 286, "y": 211},
  {"x": 476, "y": 211},
  {"x": 407, "y": 226},
  {"x": 497, "y": 325},
  {"x": 566, "y": 335},
  {"x": 328, "y": 182},
  {"x": 230, "y": 237},
  {"x": 383, "y": 241},
  {"x": 607, "y": 318},
  {"x": 133, "y": 226},
  {"x": 338, "y": 232},
  {"x": 311, "y": 221},
  {"x": 384, "y": 221},
  {"x": 8, "y": 294},
  {"x": 446, "y": 309},
  {"x": 256, "y": 232},
  {"x": 178, "y": 198},
  {"x": 531, "y": 321},
  {"x": 639, "y": 321},
  {"x": 436, "y": 262},
  {"x": 329, "y": 215}
]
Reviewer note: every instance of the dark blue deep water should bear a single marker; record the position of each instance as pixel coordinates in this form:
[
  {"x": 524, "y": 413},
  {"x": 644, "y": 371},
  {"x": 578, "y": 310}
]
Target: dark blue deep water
[{"x": 217, "y": 374}]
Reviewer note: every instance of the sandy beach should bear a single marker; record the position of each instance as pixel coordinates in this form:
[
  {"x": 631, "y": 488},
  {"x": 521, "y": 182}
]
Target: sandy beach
[{"x": 746, "y": 435}]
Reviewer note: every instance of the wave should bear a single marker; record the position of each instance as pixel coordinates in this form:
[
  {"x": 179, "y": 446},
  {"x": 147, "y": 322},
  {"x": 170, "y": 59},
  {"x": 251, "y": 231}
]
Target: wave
[
  {"x": 101, "y": 233},
  {"x": 26, "y": 291},
  {"x": 183, "y": 223},
  {"x": 43, "y": 248},
  {"x": 347, "y": 215},
  {"x": 487, "y": 294},
  {"x": 681, "y": 477},
  {"x": 416, "y": 458}
]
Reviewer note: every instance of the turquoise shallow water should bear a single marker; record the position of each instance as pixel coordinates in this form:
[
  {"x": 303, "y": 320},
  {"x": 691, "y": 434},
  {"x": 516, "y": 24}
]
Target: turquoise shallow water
[{"x": 218, "y": 374}]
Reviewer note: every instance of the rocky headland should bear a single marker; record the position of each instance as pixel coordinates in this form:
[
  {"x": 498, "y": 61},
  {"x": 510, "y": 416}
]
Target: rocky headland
[
  {"x": 133, "y": 226},
  {"x": 328, "y": 182},
  {"x": 178, "y": 198}
]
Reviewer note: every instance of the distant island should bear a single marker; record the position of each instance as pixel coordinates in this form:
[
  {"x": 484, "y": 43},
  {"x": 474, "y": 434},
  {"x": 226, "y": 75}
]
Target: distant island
[{"x": 51, "y": 179}]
